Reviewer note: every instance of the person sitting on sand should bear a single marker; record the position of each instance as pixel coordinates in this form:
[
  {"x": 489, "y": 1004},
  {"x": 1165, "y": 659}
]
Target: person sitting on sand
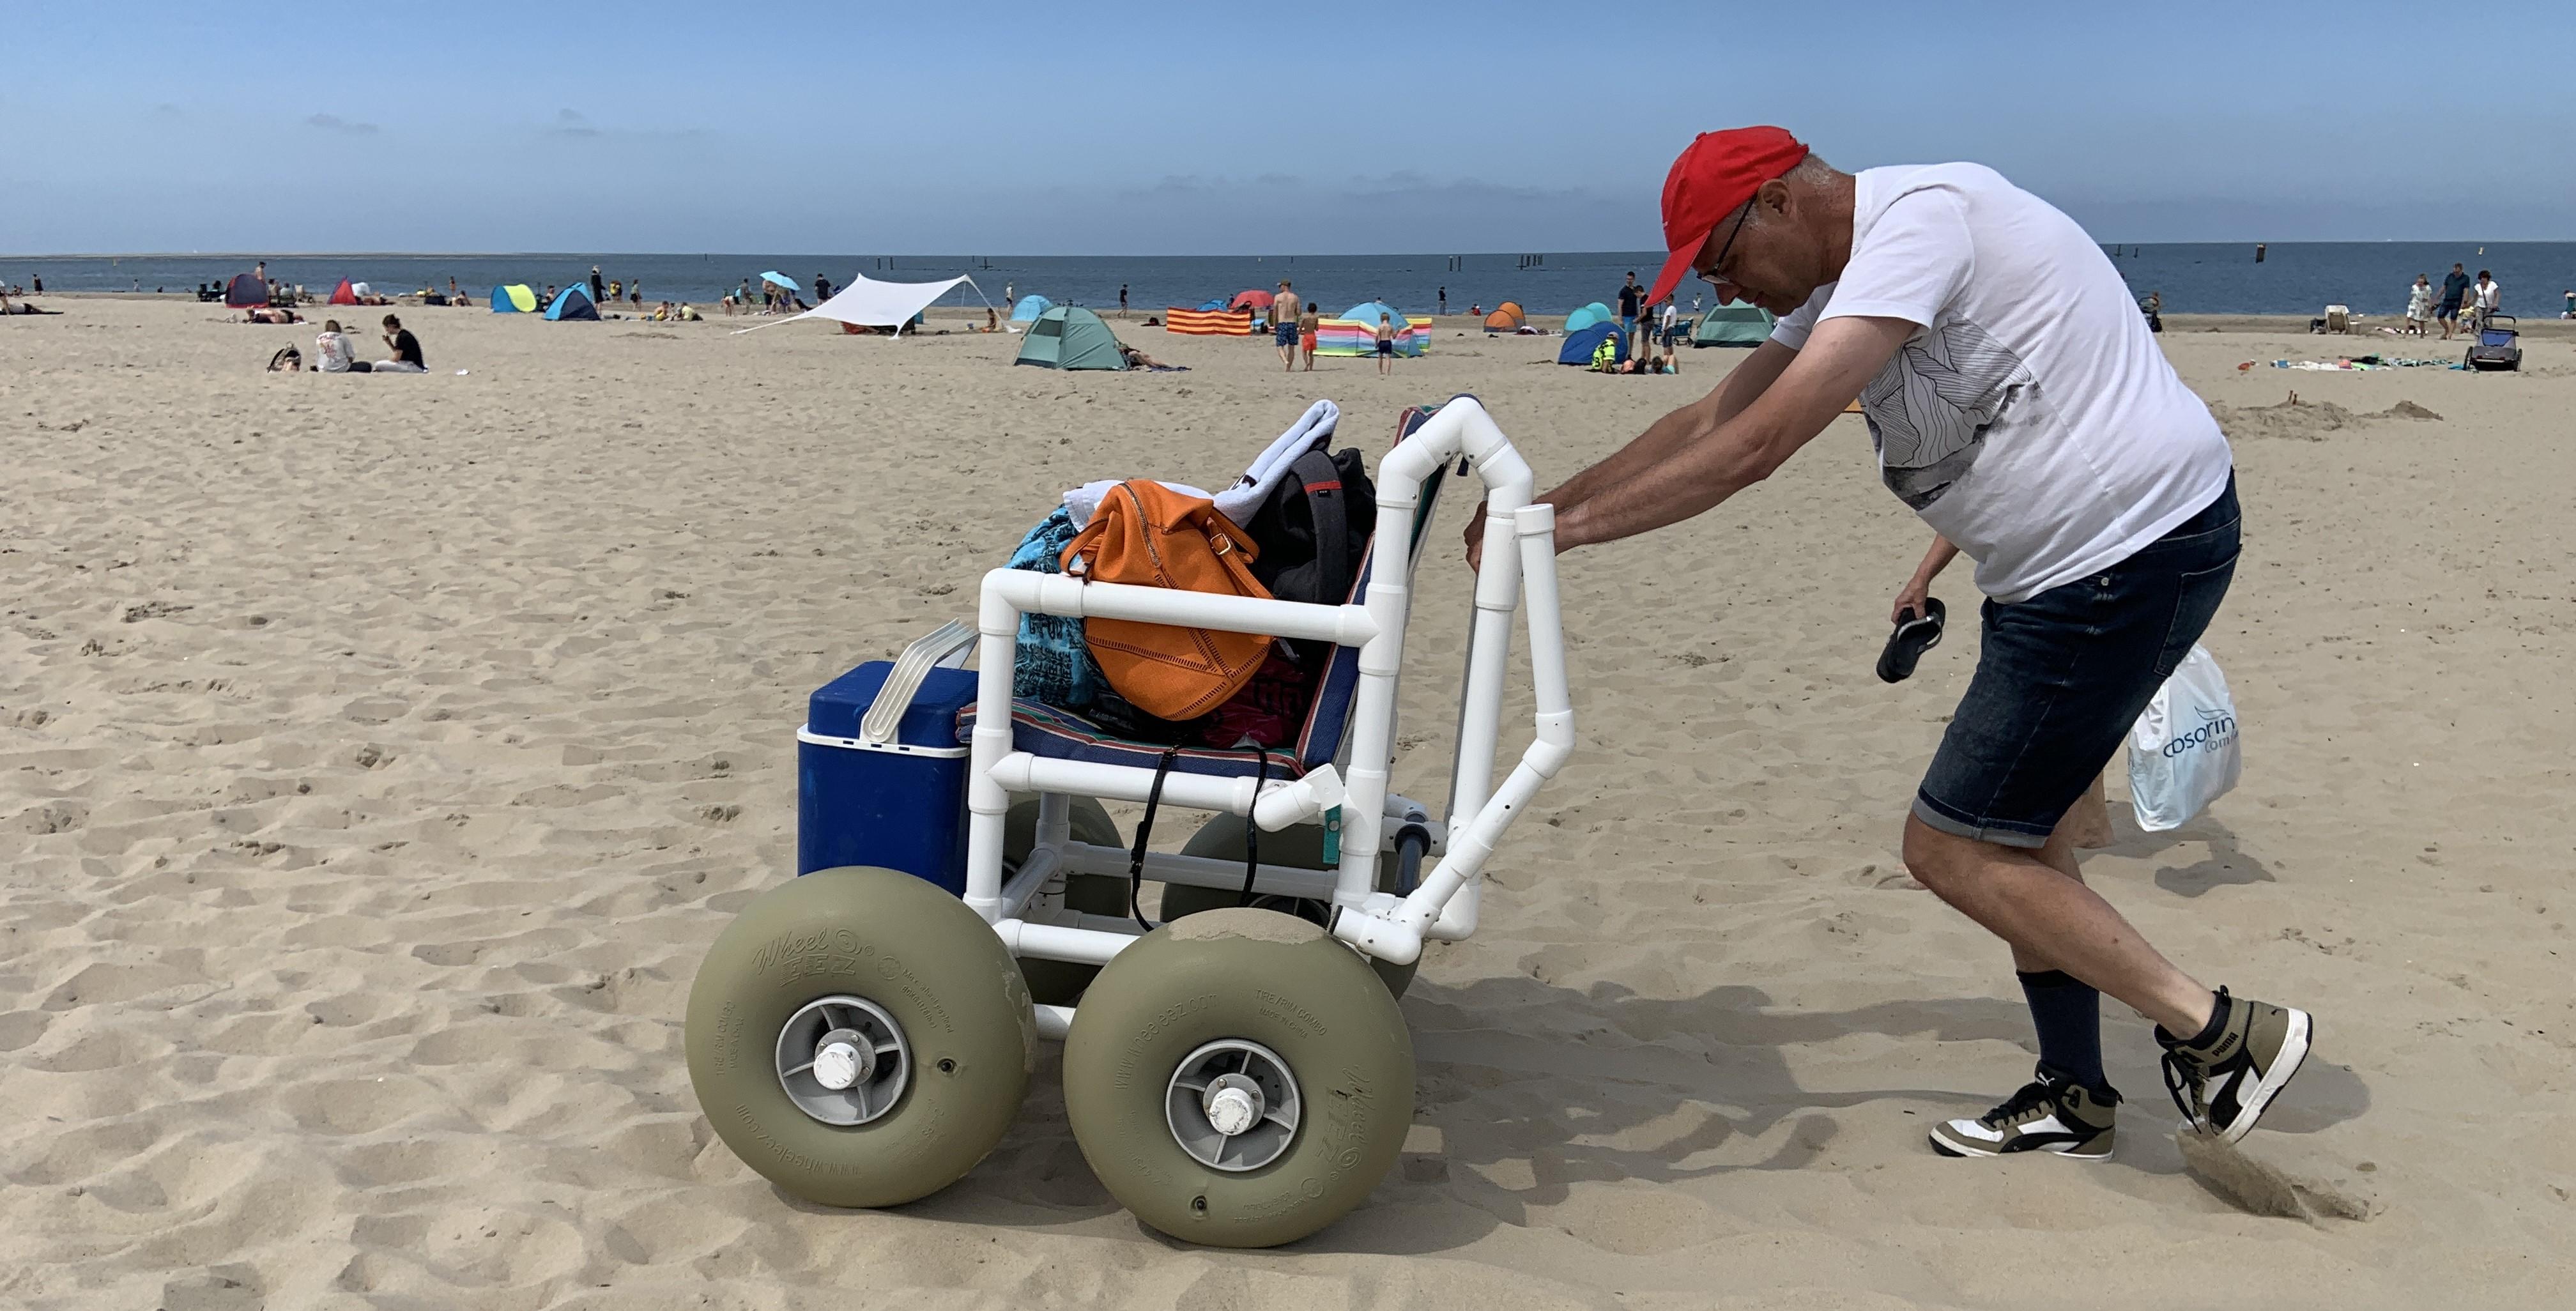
[
  {"x": 992, "y": 320},
  {"x": 332, "y": 352},
  {"x": 2106, "y": 530},
  {"x": 406, "y": 348}
]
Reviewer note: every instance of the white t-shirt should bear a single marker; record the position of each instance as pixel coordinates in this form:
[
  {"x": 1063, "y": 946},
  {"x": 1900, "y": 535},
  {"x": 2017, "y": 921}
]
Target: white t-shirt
[
  {"x": 2490, "y": 295},
  {"x": 2031, "y": 419},
  {"x": 335, "y": 352}
]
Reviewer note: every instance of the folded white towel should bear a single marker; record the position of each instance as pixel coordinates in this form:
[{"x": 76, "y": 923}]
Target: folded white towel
[
  {"x": 1082, "y": 501},
  {"x": 1248, "y": 492}
]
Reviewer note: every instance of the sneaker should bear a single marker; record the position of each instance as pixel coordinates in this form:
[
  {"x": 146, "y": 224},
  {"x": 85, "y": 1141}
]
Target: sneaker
[
  {"x": 2049, "y": 1114},
  {"x": 2223, "y": 1087}
]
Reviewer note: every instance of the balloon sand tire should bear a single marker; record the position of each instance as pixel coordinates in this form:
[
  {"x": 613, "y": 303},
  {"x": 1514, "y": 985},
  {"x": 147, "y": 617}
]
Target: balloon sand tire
[
  {"x": 1299, "y": 846},
  {"x": 1255, "y": 978},
  {"x": 929, "y": 967},
  {"x": 1057, "y": 982}
]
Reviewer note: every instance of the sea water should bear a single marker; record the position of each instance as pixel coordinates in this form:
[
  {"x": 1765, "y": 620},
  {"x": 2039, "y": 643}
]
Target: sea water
[{"x": 2293, "y": 278}]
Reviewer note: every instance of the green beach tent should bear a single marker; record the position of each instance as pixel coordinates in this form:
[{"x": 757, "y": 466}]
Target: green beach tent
[
  {"x": 1596, "y": 312},
  {"x": 514, "y": 299},
  {"x": 1734, "y": 323},
  {"x": 1069, "y": 337}
]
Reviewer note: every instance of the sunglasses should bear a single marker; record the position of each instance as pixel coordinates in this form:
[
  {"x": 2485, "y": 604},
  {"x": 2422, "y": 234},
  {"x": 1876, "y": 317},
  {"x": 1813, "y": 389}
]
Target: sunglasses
[{"x": 1713, "y": 274}]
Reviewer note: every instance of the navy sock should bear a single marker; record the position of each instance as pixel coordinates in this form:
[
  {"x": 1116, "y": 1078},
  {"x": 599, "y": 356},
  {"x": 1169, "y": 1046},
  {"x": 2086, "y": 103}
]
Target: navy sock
[{"x": 2068, "y": 1015}]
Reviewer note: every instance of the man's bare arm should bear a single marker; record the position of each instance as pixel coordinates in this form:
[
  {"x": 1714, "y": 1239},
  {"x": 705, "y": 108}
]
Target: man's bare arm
[
  {"x": 1664, "y": 438},
  {"x": 1667, "y": 435},
  {"x": 1714, "y": 460}
]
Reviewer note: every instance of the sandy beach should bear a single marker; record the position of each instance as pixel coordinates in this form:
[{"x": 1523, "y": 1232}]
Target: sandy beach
[{"x": 379, "y": 755}]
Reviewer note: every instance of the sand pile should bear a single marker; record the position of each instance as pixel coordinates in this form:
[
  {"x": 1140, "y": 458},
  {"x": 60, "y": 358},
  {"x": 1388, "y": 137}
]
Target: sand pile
[{"x": 2304, "y": 420}]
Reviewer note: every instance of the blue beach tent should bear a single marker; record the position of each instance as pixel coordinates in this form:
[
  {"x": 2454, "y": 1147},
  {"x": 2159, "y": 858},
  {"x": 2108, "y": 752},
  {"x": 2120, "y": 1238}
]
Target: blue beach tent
[
  {"x": 1029, "y": 308},
  {"x": 1580, "y": 344},
  {"x": 1596, "y": 312},
  {"x": 573, "y": 303},
  {"x": 514, "y": 299}
]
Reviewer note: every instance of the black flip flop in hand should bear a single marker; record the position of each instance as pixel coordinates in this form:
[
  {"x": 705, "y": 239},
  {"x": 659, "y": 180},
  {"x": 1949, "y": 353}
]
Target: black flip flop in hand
[{"x": 1916, "y": 633}]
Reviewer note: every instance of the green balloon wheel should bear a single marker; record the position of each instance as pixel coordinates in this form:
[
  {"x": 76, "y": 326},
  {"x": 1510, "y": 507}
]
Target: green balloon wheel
[
  {"x": 919, "y": 977},
  {"x": 1301, "y": 847},
  {"x": 1059, "y": 982},
  {"x": 1301, "y": 1007}
]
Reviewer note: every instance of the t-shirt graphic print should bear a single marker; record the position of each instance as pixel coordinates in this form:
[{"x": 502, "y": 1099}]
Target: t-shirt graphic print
[{"x": 1929, "y": 409}]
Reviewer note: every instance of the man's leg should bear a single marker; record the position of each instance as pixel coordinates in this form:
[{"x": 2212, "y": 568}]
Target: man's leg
[{"x": 2043, "y": 909}]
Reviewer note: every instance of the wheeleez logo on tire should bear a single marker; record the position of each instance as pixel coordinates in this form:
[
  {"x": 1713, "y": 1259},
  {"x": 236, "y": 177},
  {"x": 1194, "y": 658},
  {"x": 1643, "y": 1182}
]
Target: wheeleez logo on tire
[{"x": 2216, "y": 726}]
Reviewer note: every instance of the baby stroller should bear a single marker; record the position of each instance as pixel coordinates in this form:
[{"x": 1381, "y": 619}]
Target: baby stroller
[
  {"x": 2497, "y": 348},
  {"x": 1238, "y": 1075}
]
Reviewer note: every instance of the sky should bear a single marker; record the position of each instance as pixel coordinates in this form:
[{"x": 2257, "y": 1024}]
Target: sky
[{"x": 1145, "y": 127}]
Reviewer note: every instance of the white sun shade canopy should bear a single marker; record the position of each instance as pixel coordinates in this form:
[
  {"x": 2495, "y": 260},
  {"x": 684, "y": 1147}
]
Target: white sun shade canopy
[{"x": 874, "y": 304}]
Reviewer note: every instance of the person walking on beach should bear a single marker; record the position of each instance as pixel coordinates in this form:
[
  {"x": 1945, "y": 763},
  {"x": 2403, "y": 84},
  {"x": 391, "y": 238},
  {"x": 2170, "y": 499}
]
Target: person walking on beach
[
  {"x": 1309, "y": 325},
  {"x": 1444, "y": 301},
  {"x": 2454, "y": 286},
  {"x": 2419, "y": 304},
  {"x": 2105, "y": 526},
  {"x": 1629, "y": 298},
  {"x": 598, "y": 287},
  {"x": 1385, "y": 344},
  {"x": 1122, "y": 300},
  {"x": 2490, "y": 296},
  {"x": 1284, "y": 309}
]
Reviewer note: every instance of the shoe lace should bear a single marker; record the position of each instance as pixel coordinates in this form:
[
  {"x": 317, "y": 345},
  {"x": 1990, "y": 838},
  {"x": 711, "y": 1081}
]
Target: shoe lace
[
  {"x": 2034, "y": 1096},
  {"x": 2184, "y": 1075}
]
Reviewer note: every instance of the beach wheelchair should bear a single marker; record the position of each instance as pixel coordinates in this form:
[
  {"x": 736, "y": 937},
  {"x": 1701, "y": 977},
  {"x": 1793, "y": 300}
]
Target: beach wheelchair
[{"x": 1240, "y": 1074}]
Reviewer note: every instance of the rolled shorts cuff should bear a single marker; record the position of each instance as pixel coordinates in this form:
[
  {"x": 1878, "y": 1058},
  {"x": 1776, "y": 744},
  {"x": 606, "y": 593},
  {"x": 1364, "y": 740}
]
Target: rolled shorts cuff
[{"x": 1958, "y": 825}]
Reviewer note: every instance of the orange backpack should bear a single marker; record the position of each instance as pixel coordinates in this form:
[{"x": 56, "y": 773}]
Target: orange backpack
[{"x": 1148, "y": 535}]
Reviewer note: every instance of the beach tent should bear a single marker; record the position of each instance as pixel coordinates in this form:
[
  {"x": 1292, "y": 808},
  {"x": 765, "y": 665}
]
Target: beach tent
[
  {"x": 1596, "y": 312},
  {"x": 1734, "y": 323},
  {"x": 867, "y": 303},
  {"x": 573, "y": 304},
  {"x": 1029, "y": 308},
  {"x": 1580, "y": 344},
  {"x": 245, "y": 292},
  {"x": 1506, "y": 318},
  {"x": 514, "y": 299},
  {"x": 344, "y": 294},
  {"x": 1352, "y": 335},
  {"x": 1217, "y": 304},
  {"x": 1067, "y": 337},
  {"x": 1257, "y": 299}
]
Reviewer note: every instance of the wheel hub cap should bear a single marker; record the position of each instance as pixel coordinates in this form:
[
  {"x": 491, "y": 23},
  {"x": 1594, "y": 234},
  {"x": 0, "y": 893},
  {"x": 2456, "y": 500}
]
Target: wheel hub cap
[
  {"x": 843, "y": 1060},
  {"x": 1233, "y": 1105}
]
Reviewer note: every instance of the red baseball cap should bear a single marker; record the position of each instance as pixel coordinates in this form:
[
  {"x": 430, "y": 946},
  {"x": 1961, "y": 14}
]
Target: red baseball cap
[{"x": 1715, "y": 175}]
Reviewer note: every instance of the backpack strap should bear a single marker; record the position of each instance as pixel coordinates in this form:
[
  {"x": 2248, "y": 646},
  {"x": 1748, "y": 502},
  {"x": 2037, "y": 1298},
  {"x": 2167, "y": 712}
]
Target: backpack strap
[{"x": 1315, "y": 474}]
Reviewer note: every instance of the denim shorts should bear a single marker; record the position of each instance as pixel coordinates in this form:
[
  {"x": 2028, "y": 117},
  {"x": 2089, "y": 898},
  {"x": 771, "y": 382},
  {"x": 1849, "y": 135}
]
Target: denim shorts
[{"x": 2065, "y": 674}]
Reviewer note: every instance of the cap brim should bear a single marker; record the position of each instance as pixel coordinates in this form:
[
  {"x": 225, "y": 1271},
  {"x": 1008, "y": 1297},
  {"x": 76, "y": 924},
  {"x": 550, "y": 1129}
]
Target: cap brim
[{"x": 1676, "y": 267}]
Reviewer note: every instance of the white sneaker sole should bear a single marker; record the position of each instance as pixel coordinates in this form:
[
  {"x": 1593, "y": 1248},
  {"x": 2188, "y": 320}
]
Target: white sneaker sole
[
  {"x": 1947, "y": 1148},
  {"x": 2285, "y": 1065}
]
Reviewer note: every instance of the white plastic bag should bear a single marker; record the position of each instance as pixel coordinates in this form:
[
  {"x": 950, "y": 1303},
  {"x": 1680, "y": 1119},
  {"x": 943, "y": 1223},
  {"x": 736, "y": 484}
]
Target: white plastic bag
[{"x": 2183, "y": 752}]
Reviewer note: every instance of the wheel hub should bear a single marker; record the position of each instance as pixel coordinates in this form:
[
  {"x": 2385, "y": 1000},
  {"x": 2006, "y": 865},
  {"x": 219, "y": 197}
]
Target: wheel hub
[
  {"x": 843, "y": 1060},
  {"x": 1233, "y": 1105}
]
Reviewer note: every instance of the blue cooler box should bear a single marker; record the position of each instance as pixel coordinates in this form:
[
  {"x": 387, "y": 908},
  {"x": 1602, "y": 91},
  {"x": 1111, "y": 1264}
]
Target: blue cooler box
[{"x": 900, "y": 805}]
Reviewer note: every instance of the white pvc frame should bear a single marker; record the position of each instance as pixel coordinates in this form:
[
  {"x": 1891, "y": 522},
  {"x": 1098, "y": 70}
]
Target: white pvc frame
[{"x": 1026, "y": 909}]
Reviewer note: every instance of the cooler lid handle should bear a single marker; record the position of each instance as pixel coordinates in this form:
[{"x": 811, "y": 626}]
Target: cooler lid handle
[{"x": 885, "y": 714}]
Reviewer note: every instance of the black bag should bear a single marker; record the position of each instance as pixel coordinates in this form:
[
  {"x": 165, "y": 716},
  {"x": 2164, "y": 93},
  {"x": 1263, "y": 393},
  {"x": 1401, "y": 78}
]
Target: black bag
[{"x": 1315, "y": 528}]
